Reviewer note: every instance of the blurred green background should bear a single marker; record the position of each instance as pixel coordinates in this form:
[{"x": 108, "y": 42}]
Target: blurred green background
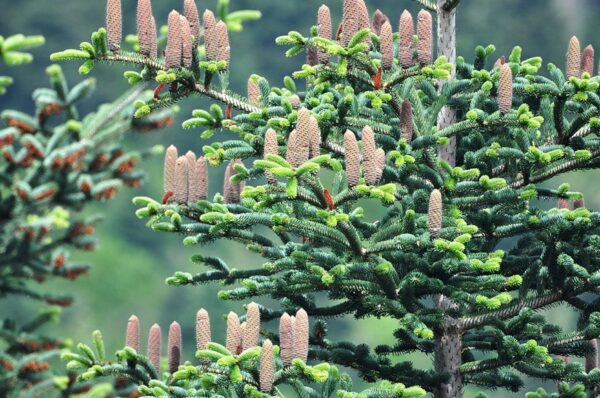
[{"x": 132, "y": 262}]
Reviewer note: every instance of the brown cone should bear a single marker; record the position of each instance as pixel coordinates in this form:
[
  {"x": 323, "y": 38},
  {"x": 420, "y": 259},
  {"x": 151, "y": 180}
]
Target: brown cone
[
  {"x": 407, "y": 30},
  {"x": 574, "y": 58},
  {"x": 210, "y": 36},
  {"x": 267, "y": 367},
  {"x": 286, "y": 339},
  {"x": 271, "y": 148},
  {"x": 587, "y": 60},
  {"x": 406, "y": 121},
  {"x": 324, "y": 30},
  {"x": 304, "y": 126},
  {"x": 505, "y": 89},
  {"x": 252, "y": 330},
  {"x": 174, "y": 347},
  {"x": 579, "y": 203},
  {"x": 253, "y": 91},
  {"x": 352, "y": 158},
  {"x": 363, "y": 19},
  {"x": 380, "y": 163},
  {"x": 350, "y": 20},
  {"x": 114, "y": 25},
  {"x": 369, "y": 156},
  {"x": 181, "y": 180},
  {"x": 591, "y": 361},
  {"x": 425, "y": 34},
  {"x": 192, "y": 178},
  {"x": 234, "y": 335},
  {"x": 186, "y": 42},
  {"x": 434, "y": 213},
  {"x": 173, "y": 51},
  {"x": 153, "y": 44},
  {"x": 222, "y": 36},
  {"x": 301, "y": 331},
  {"x": 203, "y": 335},
  {"x": 387, "y": 46},
  {"x": 198, "y": 186},
  {"x": 563, "y": 204},
  {"x": 315, "y": 138},
  {"x": 146, "y": 33},
  {"x": 132, "y": 338},
  {"x": 153, "y": 350},
  {"x": 191, "y": 14},
  {"x": 379, "y": 19},
  {"x": 169, "y": 169},
  {"x": 292, "y": 146},
  {"x": 232, "y": 190}
]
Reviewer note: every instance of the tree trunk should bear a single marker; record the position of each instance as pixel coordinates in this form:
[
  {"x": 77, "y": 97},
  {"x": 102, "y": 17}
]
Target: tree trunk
[{"x": 448, "y": 352}]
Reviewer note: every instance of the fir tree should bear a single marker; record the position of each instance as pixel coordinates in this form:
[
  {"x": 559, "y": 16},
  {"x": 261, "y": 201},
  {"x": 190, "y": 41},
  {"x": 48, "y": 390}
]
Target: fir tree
[{"x": 454, "y": 153}]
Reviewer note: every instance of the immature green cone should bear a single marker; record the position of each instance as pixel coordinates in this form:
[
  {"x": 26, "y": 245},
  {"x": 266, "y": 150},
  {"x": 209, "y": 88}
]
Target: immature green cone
[
  {"x": 304, "y": 126},
  {"x": 114, "y": 25},
  {"x": 379, "y": 19},
  {"x": 173, "y": 53},
  {"x": 315, "y": 138},
  {"x": 352, "y": 158},
  {"x": 234, "y": 334},
  {"x": 203, "y": 335},
  {"x": 364, "y": 21},
  {"x": 350, "y": 20},
  {"x": 132, "y": 338},
  {"x": 187, "y": 47},
  {"x": 180, "y": 194},
  {"x": 222, "y": 36},
  {"x": 574, "y": 58},
  {"x": 174, "y": 347},
  {"x": 324, "y": 30},
  {"x": 253, "y": 92},
  {"x": 505, "y": 89},
  {"x": 370, "y": 166},
  {"x": 434, "y": 214},
  {"x": 169, "y": 169},
  {"x": 232, "y": 190},
  {"x": 587, "y": 60},
  {"x": 145, "y": 29},
  {"x": 153, "y": 349},
  {"x": 425, "y": 34},
  {"x": 380, "y": 163},
  {"x": 387, "y": 46},
  {"x": 198, "y": 186},
  {"x": 210, "y": 36},
  {"x": 267, "y": 367},
  {"x": 407, "y": 30},
  {"x": 406, "y": 121},
  {"x": 191, "y": 14},
  {"x": 286, "y": 339},
  {"x": 301, "y": 335},
  {"x": 252, "y": 329},
  {"x": 270, "y": 148}
]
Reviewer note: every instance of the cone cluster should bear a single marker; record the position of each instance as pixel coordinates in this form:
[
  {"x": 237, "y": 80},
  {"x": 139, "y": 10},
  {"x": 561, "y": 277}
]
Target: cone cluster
[
  {"x": 185, "y": 178},
  {"x": 373, "y": 158},
  {"x": 304, "y": 142},
  {"x": 293, "y": 337}
]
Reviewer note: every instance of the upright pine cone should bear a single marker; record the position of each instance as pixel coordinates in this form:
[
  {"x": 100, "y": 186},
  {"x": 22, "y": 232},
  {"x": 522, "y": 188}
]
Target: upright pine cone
[
  {"x": 286, "y": 339},
  {"x": 406, "y": 121},
  {"x": 267, "y": 367},
  {"x": 505, "y": 89},
  {"x": 350, "y": 20},
  {"x": 315, "y": 138},
  {"x": 114, "y": 25},
  {"x": 210, "y": 36},
  {"x": 380, "y": 163},
  {"x": 434, "y": 215},
  {"x": 270, "y": 148},
  {"x": 563, "y": 204},
  {"x": 173, "y": 51},
  {"x": 301, "y": 334},
  {"x": 145, "y": 30},
  {"x": 591, "y": 361},
  {"x": 574, "y": 58},
  {"x": 232, "y": 190},
  {"x": 180, "y": 194},
  {"x": 387, "y": 46},
  {"x": 234, "y": 335},
  {"x": 370, "y": 164},
  {"x": 352, "y": 158},
  {"x": 324, "y": 30},
  {"x": 191, "y": 159},
  {"x": 379, "y": 19},
  {"x": 191, "y": 14},
  {"x": 153, "y": 45},
  {"x": 252, "y": 330},
  {"x": 222, "y": 36},
  {"x": 425, "y": 34},
  {"x": 364, "y": 21},
  {"x": 203, "y": 336},
  {"x": 253, "y": 91},
  {"x": 292, "y": 146},
  {"x": 407, "y": 31},
  {"x": 304, "y": 125},
  {"x": 579, "y": 203},
  {"x": 587, "y": 60},
  {"x": 169, "y": 169},
  {"x": 198, "y": 184},
  {"x": 153, "y": 350},
  {"x": 132, "y": 338},
  {"x": 174, "y": 349},
  {"x": 187, "y": 46}
]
